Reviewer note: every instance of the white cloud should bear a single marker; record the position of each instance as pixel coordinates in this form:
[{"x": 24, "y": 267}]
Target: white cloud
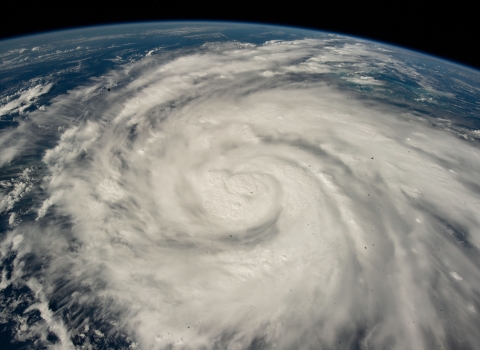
[
  {"x": 364, "y": 80},
  {"x": 25, "y": 99},
  {"x": 257, "y": 207},
  {"x": 14, "y": 190}
]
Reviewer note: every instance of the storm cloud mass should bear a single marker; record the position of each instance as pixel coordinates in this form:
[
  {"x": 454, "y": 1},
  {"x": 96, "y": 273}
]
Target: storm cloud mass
[{"x": 238, "y": 196}]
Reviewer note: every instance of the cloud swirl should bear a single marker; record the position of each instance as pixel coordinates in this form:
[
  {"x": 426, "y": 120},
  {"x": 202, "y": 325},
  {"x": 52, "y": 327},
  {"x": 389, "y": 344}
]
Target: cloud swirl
[{"x": 233, "y": 197}]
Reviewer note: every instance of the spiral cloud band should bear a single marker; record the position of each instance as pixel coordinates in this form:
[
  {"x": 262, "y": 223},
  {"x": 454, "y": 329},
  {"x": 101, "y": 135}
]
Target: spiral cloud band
[{"x": 236, "y": 196}]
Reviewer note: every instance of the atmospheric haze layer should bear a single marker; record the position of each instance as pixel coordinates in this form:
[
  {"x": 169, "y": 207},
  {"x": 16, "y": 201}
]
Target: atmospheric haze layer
[{"x": 235, "y": 196}]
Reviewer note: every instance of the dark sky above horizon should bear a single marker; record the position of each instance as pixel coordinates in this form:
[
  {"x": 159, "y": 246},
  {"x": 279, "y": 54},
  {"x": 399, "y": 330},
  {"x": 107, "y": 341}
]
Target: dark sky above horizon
[{"x": 445, "y": 31}]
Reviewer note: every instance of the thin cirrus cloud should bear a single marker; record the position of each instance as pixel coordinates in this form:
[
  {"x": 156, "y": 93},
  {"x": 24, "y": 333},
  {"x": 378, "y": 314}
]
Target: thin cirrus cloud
[{"x": 229, "y": 197}]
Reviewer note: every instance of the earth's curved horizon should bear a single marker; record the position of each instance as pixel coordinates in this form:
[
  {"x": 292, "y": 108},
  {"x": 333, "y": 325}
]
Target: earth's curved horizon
[
  {"x": 177, "y": 22},
  {"x": 226, "y": 185}
]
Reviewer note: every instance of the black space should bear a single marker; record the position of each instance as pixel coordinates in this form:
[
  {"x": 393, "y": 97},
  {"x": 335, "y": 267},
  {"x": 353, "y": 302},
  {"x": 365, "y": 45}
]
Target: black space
[{"x": 444, "y": 29}]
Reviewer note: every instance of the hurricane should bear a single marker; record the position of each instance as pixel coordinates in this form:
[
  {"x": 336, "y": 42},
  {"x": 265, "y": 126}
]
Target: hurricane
[{"x": 238, "y": 196}]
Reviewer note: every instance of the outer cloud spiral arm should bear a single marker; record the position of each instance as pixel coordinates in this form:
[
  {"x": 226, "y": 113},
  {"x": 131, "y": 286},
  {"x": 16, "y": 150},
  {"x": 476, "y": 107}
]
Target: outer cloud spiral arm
[{"x": 232, "y": 198}]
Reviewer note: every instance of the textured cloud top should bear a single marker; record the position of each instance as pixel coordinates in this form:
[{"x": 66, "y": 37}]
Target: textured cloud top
[{"x": 241, "y": 196}]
